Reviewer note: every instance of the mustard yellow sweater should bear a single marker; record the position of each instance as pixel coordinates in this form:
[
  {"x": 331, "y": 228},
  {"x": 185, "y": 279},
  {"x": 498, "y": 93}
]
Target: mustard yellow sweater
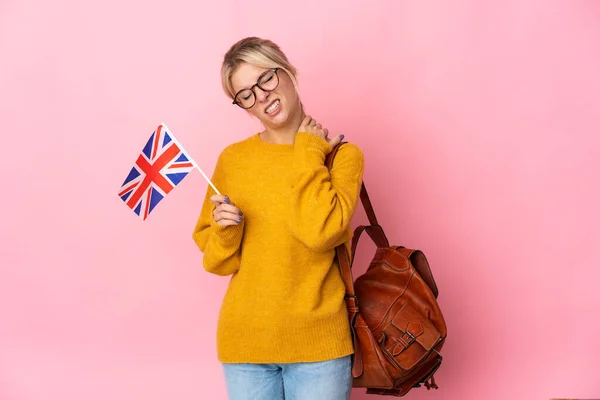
[{"x": 285, "y": 300}]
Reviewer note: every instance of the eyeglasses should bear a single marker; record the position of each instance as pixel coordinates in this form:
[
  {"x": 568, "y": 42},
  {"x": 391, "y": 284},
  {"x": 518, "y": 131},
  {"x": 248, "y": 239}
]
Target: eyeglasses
[{"x": 267, "y": 82}]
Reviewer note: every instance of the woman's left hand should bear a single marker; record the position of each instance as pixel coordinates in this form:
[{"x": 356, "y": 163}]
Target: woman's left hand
[{"x": 310, "y": 125}]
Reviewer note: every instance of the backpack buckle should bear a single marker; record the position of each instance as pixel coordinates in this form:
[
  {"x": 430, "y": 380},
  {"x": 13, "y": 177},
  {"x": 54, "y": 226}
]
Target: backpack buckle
[{"x": 408, "y": 338}]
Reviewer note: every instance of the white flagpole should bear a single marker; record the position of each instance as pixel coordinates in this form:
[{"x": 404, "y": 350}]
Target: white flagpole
[
  {"x": 204, "y": 175},
  {"x": 190, "y": 158}
]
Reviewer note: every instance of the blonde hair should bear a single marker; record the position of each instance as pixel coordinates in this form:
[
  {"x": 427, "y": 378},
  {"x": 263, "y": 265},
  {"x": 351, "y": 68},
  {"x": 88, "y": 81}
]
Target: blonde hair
[{"x": 259, "y": 52}]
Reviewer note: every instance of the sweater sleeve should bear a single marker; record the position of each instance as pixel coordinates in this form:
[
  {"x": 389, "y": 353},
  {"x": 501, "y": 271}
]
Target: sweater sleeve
[
  {"x": 220, "y": 244},
  {"x": 323, "y": 201}
]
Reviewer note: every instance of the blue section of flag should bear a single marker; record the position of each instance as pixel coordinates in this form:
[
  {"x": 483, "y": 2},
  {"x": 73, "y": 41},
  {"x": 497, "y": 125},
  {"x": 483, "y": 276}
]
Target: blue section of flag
[
  {"x": 167, "y": 139},
  {"x": 155, "y": 198},
  {"x": 134, "y": 173},
  {"x": 181, "y": 158},
  {"x": 138, "y": 208},
  {"x": 126, "y": 195},
  {"x": 176, "y": 178},
  {"x": 148, "y": 147}
]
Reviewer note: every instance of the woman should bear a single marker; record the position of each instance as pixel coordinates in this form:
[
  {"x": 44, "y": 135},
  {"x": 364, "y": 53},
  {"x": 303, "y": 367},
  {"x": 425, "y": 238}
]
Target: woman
[{"x": 283, "y": 329}]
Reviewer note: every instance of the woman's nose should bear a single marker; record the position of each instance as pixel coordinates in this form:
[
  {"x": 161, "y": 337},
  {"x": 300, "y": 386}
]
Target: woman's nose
[{"x": 261, "y": 95}]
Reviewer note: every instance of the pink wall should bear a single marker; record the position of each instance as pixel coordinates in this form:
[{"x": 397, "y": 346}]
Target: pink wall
[{"x": 479, "y": 122}]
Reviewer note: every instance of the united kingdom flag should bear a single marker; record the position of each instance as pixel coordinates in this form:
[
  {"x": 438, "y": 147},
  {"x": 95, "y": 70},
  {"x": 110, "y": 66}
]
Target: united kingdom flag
[{"x": 160, "y": 167}]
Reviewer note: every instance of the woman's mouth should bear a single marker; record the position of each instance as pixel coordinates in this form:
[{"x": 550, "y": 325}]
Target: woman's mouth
[{"x": 274, "y": 106}]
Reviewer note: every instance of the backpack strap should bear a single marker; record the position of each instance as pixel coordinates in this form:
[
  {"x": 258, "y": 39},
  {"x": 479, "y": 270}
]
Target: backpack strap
[
  {"x": 341, "y": 251},
  {"x": 345, "y": 265},
  {"x": 366, "y": 202},
  {"x": 374, "y": 230},
  {"x": 364, "y": 195}
]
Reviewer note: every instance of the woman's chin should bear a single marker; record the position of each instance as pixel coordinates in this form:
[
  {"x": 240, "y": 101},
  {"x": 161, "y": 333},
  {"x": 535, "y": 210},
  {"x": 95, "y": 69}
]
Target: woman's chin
[{"x": 277, "y": 121}]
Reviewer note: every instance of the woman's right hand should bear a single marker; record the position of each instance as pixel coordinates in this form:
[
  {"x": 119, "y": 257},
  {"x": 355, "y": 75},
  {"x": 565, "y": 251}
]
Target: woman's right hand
[
  {"x": 310, "y": 125},
  {"x": 225, "y": 212}
]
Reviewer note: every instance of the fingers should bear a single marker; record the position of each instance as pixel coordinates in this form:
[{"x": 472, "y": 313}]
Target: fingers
[
  {"x": 310, "y": 125},
  {"x": 308, "y": 122},
  {"x": 304, "y": 124},
  {"x": 228, "y": 208},
  {"x": 225, "y": 212},
  {"x": 224, "y": 203},
  {"x": 226, "y": 218},
  {"x": 336, "y": 140},
  {"x": 218, "y": 199},
  {"x": 227, "y": 222}
]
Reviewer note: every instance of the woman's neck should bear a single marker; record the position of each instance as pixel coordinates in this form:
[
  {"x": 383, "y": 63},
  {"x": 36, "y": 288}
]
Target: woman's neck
[{"x": 284, "y": 134}]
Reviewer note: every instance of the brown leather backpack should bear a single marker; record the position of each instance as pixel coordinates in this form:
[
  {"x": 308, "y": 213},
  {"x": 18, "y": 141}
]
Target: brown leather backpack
[{"x": 397, "y": 326}]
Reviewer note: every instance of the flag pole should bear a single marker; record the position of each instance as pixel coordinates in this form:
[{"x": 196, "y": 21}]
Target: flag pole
[{"x": 205, "y": 177}]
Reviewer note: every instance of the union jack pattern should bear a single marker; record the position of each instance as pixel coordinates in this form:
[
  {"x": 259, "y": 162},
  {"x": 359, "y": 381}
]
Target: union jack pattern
[{"x": 162, "y": 165}]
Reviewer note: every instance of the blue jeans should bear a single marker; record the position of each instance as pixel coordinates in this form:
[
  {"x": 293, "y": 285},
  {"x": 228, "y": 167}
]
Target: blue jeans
[{"x": 327, "y": 380}]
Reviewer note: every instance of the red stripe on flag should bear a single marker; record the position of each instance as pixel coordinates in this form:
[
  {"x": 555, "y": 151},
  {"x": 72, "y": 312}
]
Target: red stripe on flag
[
  {"x": 156, "y": 140},
  {"x": 147, "y": 204},
  {"x": 186, "y": 165},
  {"x": 129, "y": 188},
  {"x": 153, "y": 174}
]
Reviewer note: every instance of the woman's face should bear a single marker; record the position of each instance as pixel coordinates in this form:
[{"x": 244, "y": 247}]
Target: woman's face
[{"x": 274, "y": 108}]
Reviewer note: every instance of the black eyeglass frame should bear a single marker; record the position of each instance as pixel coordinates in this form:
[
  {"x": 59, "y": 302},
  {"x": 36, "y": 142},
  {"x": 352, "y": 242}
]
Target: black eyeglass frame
[{"x": 274, "y": 70}]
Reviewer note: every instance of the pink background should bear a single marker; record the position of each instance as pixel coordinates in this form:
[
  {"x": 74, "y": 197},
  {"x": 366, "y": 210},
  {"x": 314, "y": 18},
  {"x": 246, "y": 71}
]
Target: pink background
[{"x": 479, "y": 122}]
